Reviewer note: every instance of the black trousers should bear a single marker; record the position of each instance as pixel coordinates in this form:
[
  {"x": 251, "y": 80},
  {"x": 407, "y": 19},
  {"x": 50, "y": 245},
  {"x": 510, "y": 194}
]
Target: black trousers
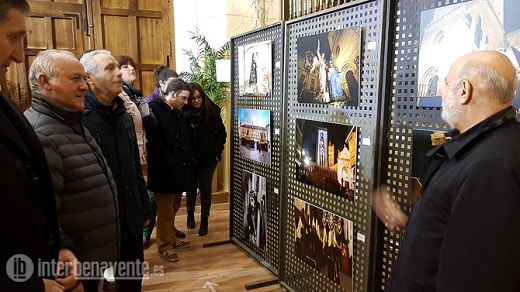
[
  {"x": 204, "y": 174},
  {"x": 129, "y": 270}
]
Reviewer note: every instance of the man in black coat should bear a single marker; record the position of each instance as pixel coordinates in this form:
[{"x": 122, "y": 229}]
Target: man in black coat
[
  {"x": 463, "y": 232},
  {"x": 114, "y": 131},
  {"x": 28, "y": 217},
  {"x": 170, "y": 163}
]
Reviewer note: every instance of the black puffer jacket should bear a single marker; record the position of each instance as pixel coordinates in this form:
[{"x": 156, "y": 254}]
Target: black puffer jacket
[
  {"x": 114, "y": 131},
  {"x": 209, "y": 134},
  {"x": 170, "y": 154},
  {"x": 86, "y": 196}
]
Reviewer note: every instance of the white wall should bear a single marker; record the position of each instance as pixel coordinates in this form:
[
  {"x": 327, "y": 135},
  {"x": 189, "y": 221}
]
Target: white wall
[{"x": 207, "y": 15}]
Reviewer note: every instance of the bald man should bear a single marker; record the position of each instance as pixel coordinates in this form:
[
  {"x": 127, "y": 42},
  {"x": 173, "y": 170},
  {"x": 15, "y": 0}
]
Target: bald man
[{"x": 464, "y": 232}]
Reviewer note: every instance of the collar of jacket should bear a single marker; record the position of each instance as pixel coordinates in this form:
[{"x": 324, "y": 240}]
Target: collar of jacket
[
  {"x": 107, "y": 111},
  {"x": 47, "y": 107},
  {"x": 460, "y": 141},
  {"x": 160, "y": 101}
]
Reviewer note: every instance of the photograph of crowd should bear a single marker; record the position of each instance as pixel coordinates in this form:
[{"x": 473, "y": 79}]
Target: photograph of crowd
[
  {"x": 448, "y": 32},
  {"x": 328, "y": 67},
  {"x": 255, "y": 216},
  {"x": 255, "y": 69},
  {"x": 326, "y": 156},
  {"x": 254, "y": 128},
  {"x": 325, "y": 242}
]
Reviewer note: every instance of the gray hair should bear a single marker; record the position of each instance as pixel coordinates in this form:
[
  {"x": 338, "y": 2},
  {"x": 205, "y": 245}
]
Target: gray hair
[
  {"x": 497, "y": 85},
  {"x": 43, "y": 65},
  {"x": 91, "y": 67},
  {"x": 7, "y": 5}
]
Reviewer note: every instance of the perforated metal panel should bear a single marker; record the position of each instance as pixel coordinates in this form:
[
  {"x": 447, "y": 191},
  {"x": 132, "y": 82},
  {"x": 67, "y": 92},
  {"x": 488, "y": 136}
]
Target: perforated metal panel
[
  {"x": 406, "y": 116},
  {"x": 274, "y": 103},
  {"x": 294, "y": 273}
]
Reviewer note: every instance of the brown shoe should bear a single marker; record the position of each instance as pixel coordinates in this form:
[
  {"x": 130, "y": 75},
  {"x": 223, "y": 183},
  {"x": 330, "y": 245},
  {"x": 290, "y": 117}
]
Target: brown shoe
[
  {"x": 169, "y": 255},
  {"x": 181, "y": 244},
  {"x": 146, "y": 242}
]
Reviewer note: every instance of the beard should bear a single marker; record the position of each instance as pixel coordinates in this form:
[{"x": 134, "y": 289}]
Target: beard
[{"x": 450, "y": 112}]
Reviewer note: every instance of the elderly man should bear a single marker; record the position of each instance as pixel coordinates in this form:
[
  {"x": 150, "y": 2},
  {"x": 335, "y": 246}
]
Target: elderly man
[
  {"x": 82, "y": 181},
  {"x": 114, "y": 131},
  {"x": 28, "y": 216},
  {"x": 463, "y": 233}
]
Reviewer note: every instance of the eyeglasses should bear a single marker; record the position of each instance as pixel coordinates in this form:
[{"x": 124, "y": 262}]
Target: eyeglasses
[{"x": 197, "y": 98}]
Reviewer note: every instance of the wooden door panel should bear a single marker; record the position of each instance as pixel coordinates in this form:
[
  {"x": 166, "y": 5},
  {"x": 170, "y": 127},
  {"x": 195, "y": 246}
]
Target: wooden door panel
[
  {"x": 65, "y": 35},
  {"x": 37, "y": 28},
  {"x": 150, "y": 32}
]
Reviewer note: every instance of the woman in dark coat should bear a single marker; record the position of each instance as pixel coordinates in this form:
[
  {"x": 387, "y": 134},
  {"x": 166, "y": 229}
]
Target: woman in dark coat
[{"x": 209, "y": 136}]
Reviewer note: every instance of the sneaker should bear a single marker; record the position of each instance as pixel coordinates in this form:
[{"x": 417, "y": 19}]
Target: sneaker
[
  {"x": 181, "y": 244},
  {"x": 169, "y": 255},
  {"x": 179, "y": 234}
]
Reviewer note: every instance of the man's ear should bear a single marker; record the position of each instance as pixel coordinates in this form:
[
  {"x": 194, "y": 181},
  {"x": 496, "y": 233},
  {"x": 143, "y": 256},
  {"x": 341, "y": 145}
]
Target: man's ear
[
  {"x": 88, "y": 78},
  {"x": 466, "y": 92},
  {"x": 44, "y": 81}
]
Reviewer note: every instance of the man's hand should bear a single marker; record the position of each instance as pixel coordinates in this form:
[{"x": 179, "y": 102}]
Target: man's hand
[
  {"x": 52, "y": 286},
  {"x": 388, "y": 210},
  {"x": 69, "y": 264}
]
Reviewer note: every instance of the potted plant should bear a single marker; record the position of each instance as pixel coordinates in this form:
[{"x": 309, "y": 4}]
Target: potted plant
[{"x": 203, "y": 67}]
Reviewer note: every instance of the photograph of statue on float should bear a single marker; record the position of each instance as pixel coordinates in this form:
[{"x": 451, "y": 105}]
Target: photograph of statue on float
[
  {"x": 255, "y": 75},
  {"x": 326, "y": 156},
  {"x": 254, "y": 128},
  {"x": 448, "y": 32},
  {"x": 255, "y": 216},
  {"x": 325, "y": 242},
  {"x": 328, "y": 67}
]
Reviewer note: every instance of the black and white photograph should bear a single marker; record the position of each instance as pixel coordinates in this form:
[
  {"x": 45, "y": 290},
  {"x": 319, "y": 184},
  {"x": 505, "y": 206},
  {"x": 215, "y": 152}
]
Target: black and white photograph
[
  {"x": 325, "y": 242},
  {"x": 328, "y": 67},
  {"x": 326, "y": 156},
  {"x": 255, "y": 134},
  {"x": 255, "y": 216},
  {"x": 448, "y": 32},
  {"x": 255, "y": 69}
]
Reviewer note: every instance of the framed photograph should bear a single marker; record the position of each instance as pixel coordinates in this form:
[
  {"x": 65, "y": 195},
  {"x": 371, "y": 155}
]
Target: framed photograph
[
  {"x": 325, "y": 242},
  {"x": 328, "y": 67},
  {"x": 255, "y": 134},
  {"x": 255, "y": 75},
  {"x": 326, "y": 156},
  {"x": 448, "y": 32},
  {"x": 255, "y": 218}
]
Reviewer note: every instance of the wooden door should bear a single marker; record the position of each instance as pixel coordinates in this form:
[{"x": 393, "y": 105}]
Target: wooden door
[
  {"x": 140, "y": 29},
  {"x": 51, "y": 25}
]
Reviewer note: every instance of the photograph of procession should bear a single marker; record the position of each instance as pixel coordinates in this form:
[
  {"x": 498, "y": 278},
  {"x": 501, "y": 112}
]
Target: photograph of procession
[
  {"x": 254, "y": 192},
  {"x": 448, "y": 32},
  {"x": 325, "y": 242},
  {"x": 326, "y": 156},
  {"x": 255, "y": 69},
  {"x": 254, "y": 128},
  {"x": 328, "y": 67}
]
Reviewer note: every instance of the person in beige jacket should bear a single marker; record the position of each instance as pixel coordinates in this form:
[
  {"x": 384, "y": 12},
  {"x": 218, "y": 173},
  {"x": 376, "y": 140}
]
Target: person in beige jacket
[{"x": 134, "y": 101}]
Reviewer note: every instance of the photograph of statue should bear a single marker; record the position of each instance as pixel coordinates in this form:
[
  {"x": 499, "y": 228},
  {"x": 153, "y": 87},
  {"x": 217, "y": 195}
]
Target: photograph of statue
[
  {"x": 255, "y": 70},
  {"x": 254, "y": 128},
  {"x": 326, "y": 156},
  {"x": 448, "y": 32},
  {"x": 325, "y": 242},
  {"x": 328, "y": 67},
  {"x": 255, "y": 216}
]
